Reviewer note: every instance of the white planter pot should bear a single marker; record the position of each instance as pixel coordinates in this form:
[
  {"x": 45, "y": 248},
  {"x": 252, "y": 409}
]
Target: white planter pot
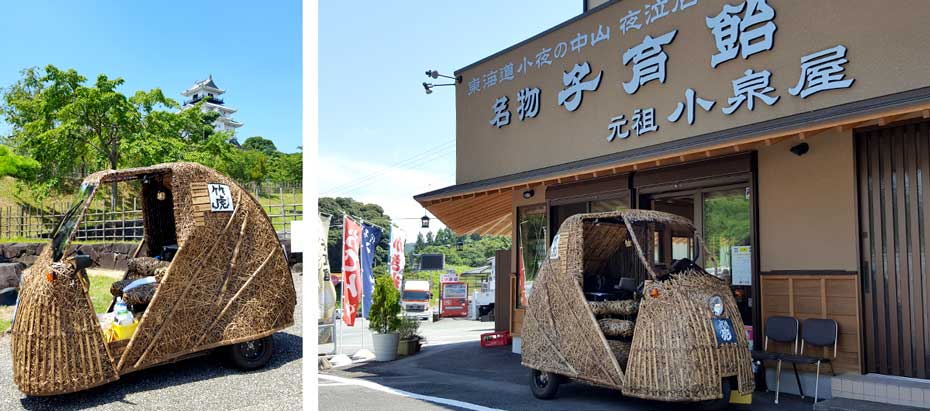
[{"x": 385, "y": 346}]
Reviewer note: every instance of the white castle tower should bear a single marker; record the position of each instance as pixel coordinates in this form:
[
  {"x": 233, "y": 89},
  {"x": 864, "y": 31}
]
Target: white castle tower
[{"x": 208, "y": 91}]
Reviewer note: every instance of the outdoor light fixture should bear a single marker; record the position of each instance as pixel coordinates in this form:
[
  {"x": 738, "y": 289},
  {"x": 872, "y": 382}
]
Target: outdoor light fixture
[
  {"x": 528, "y": 194},
  {"x": 433, "y": 74},
  {"x": 429, "y": 86},
  {"x": 800, "y": 149},
  {"x": 715, "y": 303},
  {"x": 424, "y": 222}
]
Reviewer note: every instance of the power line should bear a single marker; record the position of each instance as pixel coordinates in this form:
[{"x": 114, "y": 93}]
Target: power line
[
  {"x": 371, "y": 181},
  {"x": 441, "y": 147},
  {"x": 387, "y": 170},
  {"x": 417, "y": 157}
]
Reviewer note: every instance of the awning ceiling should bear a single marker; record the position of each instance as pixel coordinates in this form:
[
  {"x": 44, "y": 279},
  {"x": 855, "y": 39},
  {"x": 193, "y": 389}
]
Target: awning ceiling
[
  {"x": 483, "y": 213},
  {"x": 486, "y": 206}
]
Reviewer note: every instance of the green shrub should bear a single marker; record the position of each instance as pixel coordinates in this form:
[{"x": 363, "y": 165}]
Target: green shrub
[{"x": 385, "y": 306}]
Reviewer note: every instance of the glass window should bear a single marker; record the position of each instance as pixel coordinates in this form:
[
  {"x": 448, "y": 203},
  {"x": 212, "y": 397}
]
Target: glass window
[
  {"x": 560, "y": 213},
  {"x": 727, "y": 233},
  {"x": 69, "y": 222},
  {"x": 531, "y": 248},
  {"x": 613, "y": 204},
  {"x": 682, "y": 247}
]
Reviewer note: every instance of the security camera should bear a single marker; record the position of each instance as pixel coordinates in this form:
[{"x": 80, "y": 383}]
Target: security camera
[{"x": 800, "y": 149}]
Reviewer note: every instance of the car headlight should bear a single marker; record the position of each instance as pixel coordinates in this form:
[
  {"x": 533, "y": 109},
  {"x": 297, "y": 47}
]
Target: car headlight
[{"x": 716, "y": 305}]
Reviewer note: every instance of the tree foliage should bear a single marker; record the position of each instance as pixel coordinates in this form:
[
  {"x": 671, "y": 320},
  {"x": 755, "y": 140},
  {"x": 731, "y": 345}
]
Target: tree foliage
[
  {"x": 72, "y": 127},
  {"x": 17, "y": 166},
  {"x": 371, "y": 213},
  {"x": 726, "y": 224},
  {"x": 259, "y": 143},
  {"x": 472, "y": 250}
]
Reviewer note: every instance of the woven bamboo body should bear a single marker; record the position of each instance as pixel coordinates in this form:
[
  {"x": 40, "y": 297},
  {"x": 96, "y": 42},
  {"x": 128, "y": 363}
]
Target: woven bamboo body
[
  {"x": 673, "y": 355},
  {"x": 228, "y": 282}
]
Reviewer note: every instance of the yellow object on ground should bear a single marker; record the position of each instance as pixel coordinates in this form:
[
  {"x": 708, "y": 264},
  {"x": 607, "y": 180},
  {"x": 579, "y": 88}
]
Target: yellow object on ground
[
  {"x": 124, "y": 331},
  {"x": 737, "y": 398}
]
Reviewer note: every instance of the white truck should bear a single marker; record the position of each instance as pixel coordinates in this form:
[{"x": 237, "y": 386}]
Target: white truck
[{"x": 415, "y": 299}]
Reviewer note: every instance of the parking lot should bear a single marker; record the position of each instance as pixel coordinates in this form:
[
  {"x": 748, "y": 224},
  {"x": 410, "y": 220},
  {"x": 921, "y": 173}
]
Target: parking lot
[{"x": 454, "y": 372}]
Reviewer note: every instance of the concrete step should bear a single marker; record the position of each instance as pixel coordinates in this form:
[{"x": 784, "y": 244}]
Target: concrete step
[
  {"x": 846, "y": 404},
  {"x": 886, "y": 390}
]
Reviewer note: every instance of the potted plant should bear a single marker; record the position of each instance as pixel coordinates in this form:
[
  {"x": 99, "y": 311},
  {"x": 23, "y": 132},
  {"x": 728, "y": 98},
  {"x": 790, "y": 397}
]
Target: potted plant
[
  {"x": 385, "y": 307},
  {"x": 409, "y": 340}
]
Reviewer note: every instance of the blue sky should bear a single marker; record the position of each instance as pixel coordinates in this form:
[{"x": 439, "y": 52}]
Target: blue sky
[
  {"x": 253, "y": 50},
  {"x": 381, "y": 138}
]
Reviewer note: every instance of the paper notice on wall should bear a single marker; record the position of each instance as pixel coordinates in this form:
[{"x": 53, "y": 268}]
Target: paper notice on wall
[{"x": 742, "y": 265}]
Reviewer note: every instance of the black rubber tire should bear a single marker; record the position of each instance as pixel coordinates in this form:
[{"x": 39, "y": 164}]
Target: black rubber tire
[
  {"x": 720, "y": 403},
  {"x": 545, "y": 385},
  {"x": 251, "y": 355}
]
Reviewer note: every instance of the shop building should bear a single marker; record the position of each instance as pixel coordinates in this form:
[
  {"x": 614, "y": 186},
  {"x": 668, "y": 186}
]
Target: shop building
[{"x": 796, "y": 136}]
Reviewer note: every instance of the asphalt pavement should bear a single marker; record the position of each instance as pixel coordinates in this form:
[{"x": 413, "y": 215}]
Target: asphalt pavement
[
  {"x": 456, "y": 373},
  {"x": 203, "y": 383}
]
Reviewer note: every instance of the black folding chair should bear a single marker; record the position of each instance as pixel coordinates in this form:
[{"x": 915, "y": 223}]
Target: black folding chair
[
  {"x": 784, "y": 330},
  {"x": 819, "y": 332}
]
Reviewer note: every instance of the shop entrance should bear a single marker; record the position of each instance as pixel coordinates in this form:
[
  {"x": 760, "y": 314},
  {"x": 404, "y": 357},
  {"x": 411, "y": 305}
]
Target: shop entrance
[
  {"x": 893, "y": 166},
  {"x": 723, "y": 216}
]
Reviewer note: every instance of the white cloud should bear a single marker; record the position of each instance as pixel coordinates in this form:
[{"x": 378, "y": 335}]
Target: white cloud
[{"x": 391, "y": 188}]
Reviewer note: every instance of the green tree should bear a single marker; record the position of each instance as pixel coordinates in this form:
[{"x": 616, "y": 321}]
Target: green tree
[
  {"x": 259, "y": 143},
  {"x": 70, "y": 127},
  {"x": 287, "y": 168},
  {"x": 445, "y": 236},
  {"x": 14, "y": 165},
  {"x": 249, "y": 166},
  {"x": 421, "y": 242},
  {"x": 370, "y": 213}
]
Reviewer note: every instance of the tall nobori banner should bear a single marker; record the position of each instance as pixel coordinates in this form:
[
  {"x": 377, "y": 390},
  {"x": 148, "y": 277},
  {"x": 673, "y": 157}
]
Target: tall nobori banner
[
  {"x": 351, "y": 275},
  {"x": 396, "y": 258},
  {"x": 371, "y": 236}
]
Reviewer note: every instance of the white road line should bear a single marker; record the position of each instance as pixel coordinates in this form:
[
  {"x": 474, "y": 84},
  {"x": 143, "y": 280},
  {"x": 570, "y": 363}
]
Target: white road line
[
  {"x": 334, "y": 384},
  {"x": 378, "y": 387}
]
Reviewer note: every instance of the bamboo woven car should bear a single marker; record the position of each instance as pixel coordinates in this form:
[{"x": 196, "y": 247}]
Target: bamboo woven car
[
  {"x": 583, "y": 310},
  {"x": 222, "y": 280}
]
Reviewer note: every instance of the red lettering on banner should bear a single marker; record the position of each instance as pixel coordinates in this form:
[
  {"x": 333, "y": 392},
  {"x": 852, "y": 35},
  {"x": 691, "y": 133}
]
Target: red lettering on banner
[{"x": 352, "y": 286}]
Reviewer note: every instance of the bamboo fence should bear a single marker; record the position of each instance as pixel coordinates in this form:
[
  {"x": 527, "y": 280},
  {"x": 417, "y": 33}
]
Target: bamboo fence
[{"x": 123, "y": 222}]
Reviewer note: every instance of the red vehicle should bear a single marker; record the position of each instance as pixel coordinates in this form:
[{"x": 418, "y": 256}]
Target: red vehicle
[{"x": 453, "y": 299}]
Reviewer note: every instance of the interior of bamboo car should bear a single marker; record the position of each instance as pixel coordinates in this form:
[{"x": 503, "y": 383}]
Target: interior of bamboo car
[
  {"x": 132, "y": 294},
  {"x": 614, "y": 273}
]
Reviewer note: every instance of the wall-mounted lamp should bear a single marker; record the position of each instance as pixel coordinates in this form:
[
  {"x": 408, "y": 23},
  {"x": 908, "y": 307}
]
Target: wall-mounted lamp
[
  {"x": 433, "y": 74},
  {"x": 800, "y": 149},
  {"x": 528, "y": 194}
]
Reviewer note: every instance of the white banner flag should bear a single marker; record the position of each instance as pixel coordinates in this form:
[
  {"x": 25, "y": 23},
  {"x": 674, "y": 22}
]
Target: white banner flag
[{"x": 396, "y": 259}]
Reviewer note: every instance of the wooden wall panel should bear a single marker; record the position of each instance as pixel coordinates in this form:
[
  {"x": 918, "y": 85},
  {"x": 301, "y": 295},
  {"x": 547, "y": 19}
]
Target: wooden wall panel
[
  {"x": 517, "y": 321},
  {"x": 502, "y": 291},
  {"x": 893, "y": 166},
  {"x": 817, "y": 296}
]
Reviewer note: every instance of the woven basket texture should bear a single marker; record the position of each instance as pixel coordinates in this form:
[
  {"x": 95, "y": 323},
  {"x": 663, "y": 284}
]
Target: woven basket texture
[
  {"x": 229, "y": 282},
  {"x": 673, "y": 355}
]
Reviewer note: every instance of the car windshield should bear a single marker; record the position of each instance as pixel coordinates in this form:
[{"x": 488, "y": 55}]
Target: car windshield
[
  {"x": 415, "y": 295},
  {"x": 69, "y": 222}
]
